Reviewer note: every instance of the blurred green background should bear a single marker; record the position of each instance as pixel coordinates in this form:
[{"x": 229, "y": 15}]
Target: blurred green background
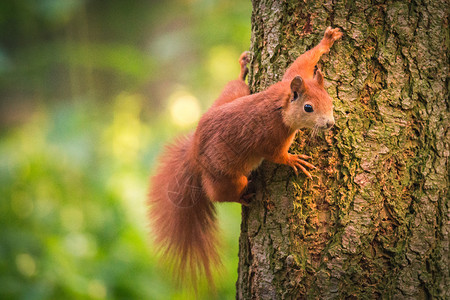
[{"x": 90, "y": 92}]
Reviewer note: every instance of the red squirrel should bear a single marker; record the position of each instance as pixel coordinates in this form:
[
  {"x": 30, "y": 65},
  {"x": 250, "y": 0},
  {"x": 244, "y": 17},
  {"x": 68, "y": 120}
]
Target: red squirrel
[{"x": 231, "y": 139}]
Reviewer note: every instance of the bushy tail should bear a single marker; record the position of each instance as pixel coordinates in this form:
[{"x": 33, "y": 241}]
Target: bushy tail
[{"x": 182, "y": 216}]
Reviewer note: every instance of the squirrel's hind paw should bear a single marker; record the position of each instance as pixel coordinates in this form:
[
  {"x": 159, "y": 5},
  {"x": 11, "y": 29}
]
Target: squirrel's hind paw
[
  {"x": 245, "y": 200},
  {"x": 244, "y": 59}
]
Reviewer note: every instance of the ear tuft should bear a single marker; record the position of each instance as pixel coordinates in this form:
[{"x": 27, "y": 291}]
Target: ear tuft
[
  {"x": 297, "y": 87},
  {"x": 319, "y": 77}
]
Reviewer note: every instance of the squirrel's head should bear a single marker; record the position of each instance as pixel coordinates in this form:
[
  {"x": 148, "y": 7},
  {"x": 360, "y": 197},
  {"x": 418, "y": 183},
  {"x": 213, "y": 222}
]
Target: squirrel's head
[{"x": 308, "y": 105}]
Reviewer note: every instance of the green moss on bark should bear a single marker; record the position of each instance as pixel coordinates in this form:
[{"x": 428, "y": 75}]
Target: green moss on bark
[{"x": 374, "y": 220}]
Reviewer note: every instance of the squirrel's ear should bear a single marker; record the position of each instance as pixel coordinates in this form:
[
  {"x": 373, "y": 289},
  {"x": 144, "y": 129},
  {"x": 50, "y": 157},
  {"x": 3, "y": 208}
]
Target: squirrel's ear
[
  {"x": 319, "y": 77},
  {"x": 297, "y": 87}
]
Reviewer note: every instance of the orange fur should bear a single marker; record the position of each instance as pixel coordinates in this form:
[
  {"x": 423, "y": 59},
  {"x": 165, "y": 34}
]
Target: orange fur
[
  {"x": 304, "y": 65},
  {"x": 231, "y": 139},
  {"x": 182, "y": 217}
]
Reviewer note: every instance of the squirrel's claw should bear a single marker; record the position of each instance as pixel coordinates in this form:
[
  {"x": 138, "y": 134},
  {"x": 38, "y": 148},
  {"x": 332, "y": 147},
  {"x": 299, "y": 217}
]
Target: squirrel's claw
[
  {"x": 306, "y": 164},
  {"x": 305, "y": 172},
  {"x": 296, "y": 162}
]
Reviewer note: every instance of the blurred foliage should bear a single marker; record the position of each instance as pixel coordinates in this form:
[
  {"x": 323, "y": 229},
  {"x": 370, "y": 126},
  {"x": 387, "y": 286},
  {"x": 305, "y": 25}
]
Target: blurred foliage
[{"x": 90, "y": 91}]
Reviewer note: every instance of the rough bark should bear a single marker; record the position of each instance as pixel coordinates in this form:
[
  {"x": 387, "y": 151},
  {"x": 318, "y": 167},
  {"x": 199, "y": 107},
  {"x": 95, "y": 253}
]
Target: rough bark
[{"x": 374, "y": 221}]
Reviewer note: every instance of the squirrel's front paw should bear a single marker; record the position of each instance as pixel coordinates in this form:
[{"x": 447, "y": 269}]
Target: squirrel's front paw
[
  {"x": 332, "y": 34},
  {"x": 296, "y": 162}
]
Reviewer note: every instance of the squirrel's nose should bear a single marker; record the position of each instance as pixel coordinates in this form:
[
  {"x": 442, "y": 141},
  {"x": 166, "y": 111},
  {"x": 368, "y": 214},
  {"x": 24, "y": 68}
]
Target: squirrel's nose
[{"x": 330, "y": 123}]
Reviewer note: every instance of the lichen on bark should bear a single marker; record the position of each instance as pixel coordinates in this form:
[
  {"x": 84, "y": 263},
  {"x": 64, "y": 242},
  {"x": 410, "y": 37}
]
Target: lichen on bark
[{"x": 374, "y": 221}]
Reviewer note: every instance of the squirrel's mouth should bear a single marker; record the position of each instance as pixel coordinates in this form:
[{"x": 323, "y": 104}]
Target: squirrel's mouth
[
  {"x": 327, "y": 127},
  {"x": 325, "y": 124},
  {"x": 321, "y": 127}
]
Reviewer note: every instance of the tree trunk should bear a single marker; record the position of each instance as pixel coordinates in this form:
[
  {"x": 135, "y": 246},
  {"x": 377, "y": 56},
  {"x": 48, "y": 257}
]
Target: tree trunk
[{"x": 374, "y": 221}]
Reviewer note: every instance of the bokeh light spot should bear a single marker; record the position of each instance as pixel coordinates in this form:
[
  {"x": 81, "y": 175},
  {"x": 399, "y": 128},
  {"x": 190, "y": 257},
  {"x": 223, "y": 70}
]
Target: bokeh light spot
[
  {"x": 80, "y": 245},
  {"x": 223, "y": 63},
  {"x": 97, "y": 289},
  {"x": 184, "y": 108},
  {"x": 26, "y": 264}
]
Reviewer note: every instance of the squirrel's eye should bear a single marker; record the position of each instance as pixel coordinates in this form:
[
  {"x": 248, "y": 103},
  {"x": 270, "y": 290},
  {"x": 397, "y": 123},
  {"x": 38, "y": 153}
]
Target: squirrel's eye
[{"x": 308, "y": 108}]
